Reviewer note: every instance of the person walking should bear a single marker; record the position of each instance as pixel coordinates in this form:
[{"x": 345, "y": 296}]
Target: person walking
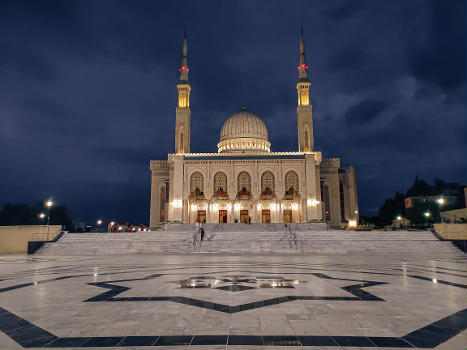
[{"x": 201, "y": 228}]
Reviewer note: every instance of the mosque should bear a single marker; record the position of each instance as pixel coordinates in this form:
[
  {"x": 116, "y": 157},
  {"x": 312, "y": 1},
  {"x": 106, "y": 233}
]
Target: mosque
[{"x": 245, "y": 181}]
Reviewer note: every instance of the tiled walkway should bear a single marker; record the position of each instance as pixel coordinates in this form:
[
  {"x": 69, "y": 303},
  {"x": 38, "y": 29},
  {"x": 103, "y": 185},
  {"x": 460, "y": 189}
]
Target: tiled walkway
[{"x": 235, "y": 301}]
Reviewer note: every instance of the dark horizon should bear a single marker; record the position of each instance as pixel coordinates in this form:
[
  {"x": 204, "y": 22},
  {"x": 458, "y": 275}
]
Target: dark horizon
[{"x": 89, "y": 91}]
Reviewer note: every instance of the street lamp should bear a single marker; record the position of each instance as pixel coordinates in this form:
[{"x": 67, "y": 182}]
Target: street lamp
[
  {"x": 48, "y": 204},
  {"x": 441, "y": 201},
  {"x": 399, "y": 218},
  {"x": 41, "y": 215},
  {"x": 99, "y": 223},
  {"x": 427, "y": 214}
]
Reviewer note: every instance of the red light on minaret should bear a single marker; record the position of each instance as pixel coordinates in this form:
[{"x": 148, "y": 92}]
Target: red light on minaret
[
  {"x": 184, "y": 68},
  {"x": 303, "y": 65}
]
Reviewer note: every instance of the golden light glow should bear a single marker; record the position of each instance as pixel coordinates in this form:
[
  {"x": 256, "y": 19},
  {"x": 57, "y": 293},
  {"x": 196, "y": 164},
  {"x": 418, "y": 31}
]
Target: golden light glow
[
  {"x": 303, "y": 90},
  {"x": 41, "y": 215},
  {"x": 49, "y": 203},
  {"x": 295, "y": 206},
  {"x": 352, "y": 223},
  {"x": 183, "y": 95},
  {"x": 194, "y": 207},
  {"x": 312, "y": 202}
]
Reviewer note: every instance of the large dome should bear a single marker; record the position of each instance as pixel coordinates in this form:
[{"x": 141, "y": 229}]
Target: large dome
[{"x": 244, "y": 131}]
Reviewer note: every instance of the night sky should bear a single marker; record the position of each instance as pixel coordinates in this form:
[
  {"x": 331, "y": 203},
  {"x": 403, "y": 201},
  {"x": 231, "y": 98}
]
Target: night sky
[{"x": 88, "y": 91}]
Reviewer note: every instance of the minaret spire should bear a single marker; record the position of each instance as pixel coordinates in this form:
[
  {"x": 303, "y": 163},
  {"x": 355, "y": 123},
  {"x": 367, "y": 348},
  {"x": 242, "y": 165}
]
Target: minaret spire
[
  {"x": 183, "y": 112},
  {"x": 184, "y": 67},
  {"x": 304, "y": 108},
  {"x": 302, "y": 67}
]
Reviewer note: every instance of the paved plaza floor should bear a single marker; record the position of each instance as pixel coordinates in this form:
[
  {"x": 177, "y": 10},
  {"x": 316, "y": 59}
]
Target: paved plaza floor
[{"x": 201, "y": 301}]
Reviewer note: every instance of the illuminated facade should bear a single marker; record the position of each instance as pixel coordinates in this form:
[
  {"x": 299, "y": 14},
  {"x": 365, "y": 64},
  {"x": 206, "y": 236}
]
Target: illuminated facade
[{"x": 246, "y": 182}]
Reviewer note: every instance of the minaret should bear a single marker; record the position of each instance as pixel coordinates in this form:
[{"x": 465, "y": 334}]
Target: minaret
[
  {"x": 304, "y": 108},
  {"x": 183, "y": 112}
]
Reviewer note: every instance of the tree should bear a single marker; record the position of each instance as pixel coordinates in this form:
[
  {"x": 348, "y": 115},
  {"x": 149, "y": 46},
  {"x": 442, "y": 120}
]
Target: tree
[
  {"x": 419, "y": 188},
  {"x": 391, "y": 208},
  {"x": 22, "y": 214},
  {"x": 416, "y": 214},
  {"x": 12, "y": 214}
]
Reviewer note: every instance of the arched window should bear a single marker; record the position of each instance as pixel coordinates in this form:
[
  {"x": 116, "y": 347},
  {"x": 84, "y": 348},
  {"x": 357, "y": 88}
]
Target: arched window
[
  {"x": 291, "y": 183},
  {"x": 163, "y": 200},
  {"x": 307, "y": 139},
  {"x": 244, "y": 184},
  {"x": 220, "y": 184},
  {"x": 197, "y": 184},
  {"x": 267, "y": 184},
  {"x": 181, "y": 143},
  {"x": 326, "y": 204}
]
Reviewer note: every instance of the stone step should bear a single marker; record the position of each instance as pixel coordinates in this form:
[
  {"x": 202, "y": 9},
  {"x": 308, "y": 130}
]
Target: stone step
[{"x": 248, "y": 239}]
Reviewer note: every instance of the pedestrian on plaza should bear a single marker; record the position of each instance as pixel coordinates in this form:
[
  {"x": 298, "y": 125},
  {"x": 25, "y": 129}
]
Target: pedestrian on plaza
[{"x": 201, "y": 228}]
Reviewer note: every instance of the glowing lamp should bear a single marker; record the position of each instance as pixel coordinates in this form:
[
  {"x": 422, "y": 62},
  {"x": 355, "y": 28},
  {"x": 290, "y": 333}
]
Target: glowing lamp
[{"x": 352, "y": 223}]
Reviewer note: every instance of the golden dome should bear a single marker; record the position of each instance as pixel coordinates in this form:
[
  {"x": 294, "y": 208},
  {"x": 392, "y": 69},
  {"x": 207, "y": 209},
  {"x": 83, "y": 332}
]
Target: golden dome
[{"x": 244, "y": 131}]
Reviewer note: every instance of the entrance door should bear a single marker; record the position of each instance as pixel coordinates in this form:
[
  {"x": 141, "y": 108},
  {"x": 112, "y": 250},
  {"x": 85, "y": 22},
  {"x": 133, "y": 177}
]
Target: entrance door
[
  {"x": 244, "y": 216},
  {"x": 222, "y": 216},
  {"x": 266, "y": 214},
  {"x": 287, "y": 216},
  {"x": 201, "y": 216}
]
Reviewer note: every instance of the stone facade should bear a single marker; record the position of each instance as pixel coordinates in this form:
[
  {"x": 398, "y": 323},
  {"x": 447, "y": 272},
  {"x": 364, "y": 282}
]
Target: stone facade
[{"x": 245, "y": 181}]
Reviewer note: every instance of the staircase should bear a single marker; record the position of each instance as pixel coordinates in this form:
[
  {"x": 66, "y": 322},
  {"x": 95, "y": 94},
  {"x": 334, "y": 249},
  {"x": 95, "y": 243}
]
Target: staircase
[{"x": 237, "y": 238}]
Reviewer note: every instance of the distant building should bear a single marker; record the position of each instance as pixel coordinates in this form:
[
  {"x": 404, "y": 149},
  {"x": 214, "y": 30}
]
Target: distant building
[
  {"x": 454, "y": 216},
  {"x": 443, "y": 200},
  {"x": 246, "y": 182}
]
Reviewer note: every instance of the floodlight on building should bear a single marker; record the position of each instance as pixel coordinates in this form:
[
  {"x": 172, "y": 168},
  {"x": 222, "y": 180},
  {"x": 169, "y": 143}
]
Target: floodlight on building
[
  {"x": 399, "y": 218},
  {"x": 441, "y": 201},
  {"x": 435, "y": 280},
  {"x": 312, "y": 202},
  {"x": 356, "y": 212},
  {"x": 258, "y": 206},
  {"x": 352, "y": 223}
]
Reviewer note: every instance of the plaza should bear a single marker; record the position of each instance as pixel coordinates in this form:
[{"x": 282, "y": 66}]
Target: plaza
[{"x": 214, "y": 301}]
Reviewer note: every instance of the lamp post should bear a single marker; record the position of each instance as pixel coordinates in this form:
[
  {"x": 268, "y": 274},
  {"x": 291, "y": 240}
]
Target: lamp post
[
  {"x": 99, "y": 223},
  {"x": 48, "y": 205}
]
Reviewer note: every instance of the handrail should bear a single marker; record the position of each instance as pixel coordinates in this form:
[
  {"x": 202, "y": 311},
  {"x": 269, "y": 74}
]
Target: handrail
[{"x": 292, "y": 236}]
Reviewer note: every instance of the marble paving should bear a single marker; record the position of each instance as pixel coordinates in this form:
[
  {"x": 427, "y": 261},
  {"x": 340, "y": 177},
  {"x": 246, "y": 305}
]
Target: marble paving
[{"x": 217, "y": 301}]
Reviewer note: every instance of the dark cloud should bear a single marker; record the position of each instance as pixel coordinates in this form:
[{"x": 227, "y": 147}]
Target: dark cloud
[
  {"x": 347, "y": 59},
  {"x": 88, "y": 91},
  {"x": 343, "y": 10},
  {"x": 439, "y": 58},
  {"x": 365, "y": 111}
]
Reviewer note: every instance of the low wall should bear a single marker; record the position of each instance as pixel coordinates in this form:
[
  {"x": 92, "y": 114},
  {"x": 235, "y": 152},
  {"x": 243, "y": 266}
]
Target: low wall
[
  {"x": 14, "y": 239},
  {"x": 451, "y": 231}
]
